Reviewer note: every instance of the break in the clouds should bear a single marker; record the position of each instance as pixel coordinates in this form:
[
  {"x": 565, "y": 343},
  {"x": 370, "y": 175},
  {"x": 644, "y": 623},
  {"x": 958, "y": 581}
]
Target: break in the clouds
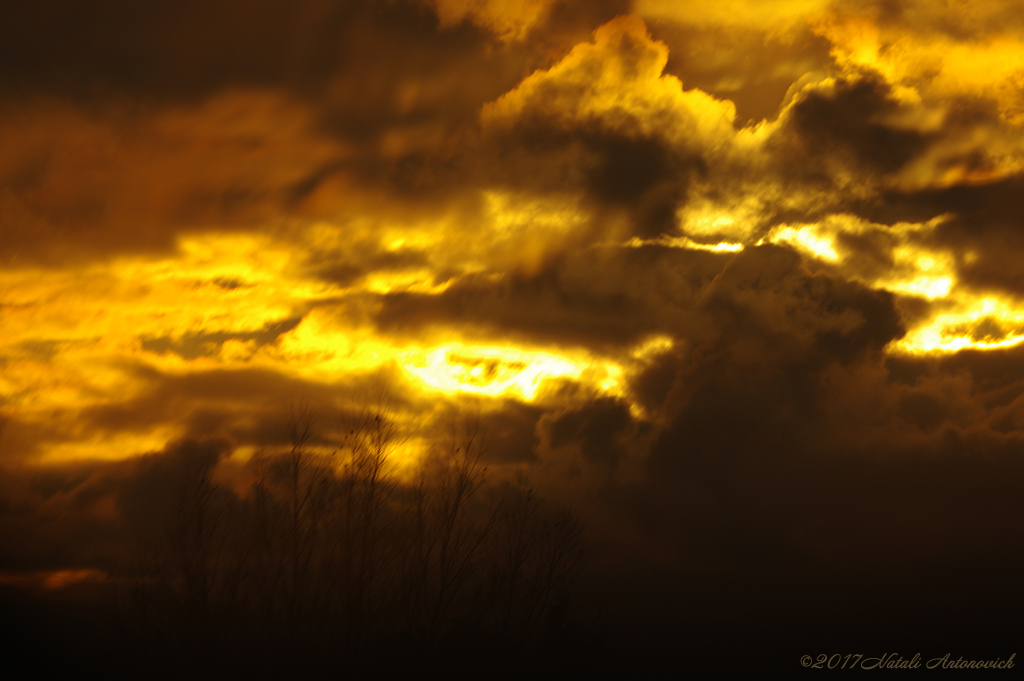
[{"x": 741, "y": 281}]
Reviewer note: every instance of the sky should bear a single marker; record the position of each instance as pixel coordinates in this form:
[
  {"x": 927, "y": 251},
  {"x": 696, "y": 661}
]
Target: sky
[{"x": 738, "y": 281}]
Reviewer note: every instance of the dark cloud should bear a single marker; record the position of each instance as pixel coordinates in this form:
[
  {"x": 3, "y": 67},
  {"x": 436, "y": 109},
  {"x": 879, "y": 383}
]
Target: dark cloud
[
  {"x": 791, "y": 455},
  {"x": 766, "y": 294},
  {"x": 983, "y": 228},
  {"x": 598, "y": 297},
  {"x": 187, "y": 118},
  {"x": 151, "y": 497},
  {"x": 81, "y": 184},
  {"x": 250, "y": 405},
  {"x": 644, "y": 175},
  {"x": 192, "y": 49},
  {"x": 200, "y": 344},
  {"x": 92, "y": 515},
  {"x": 845, "y": 127},
  {"x": 774, "y": 486},
  {"x": 596, "y": 427},
  {"x": 349, "y": 266},
  {"x": 510, "y": 433}
]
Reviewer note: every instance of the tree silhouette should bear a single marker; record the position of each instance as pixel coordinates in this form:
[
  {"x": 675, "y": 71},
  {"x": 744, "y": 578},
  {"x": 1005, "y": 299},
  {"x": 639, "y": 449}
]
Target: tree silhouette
[{"x": 330, "y": 552}]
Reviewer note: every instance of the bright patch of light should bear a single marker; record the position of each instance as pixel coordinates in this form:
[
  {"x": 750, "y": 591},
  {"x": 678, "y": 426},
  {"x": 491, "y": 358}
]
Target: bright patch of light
[
  {"x": 708, "y": 220},
  {"x": 926, "y": 287},
  {"x": 989, "y": 324},
  {"x": 109, "y": 447},
  {"x": 652, "y": 347},
  {"x": 685, "y": 242},
  {"x": 485, "y": 370},
  {"x": 806, "y": 239}
]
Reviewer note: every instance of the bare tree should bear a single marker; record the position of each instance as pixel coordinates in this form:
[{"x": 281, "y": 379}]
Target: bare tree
[
  {"x": 366, "y": 483},
  {"x": 336, "y": 549},
  {"x": 455, "y": 530}
]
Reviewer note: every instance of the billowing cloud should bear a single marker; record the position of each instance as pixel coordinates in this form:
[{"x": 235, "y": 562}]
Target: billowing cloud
[{"x": 606, "y": 119}]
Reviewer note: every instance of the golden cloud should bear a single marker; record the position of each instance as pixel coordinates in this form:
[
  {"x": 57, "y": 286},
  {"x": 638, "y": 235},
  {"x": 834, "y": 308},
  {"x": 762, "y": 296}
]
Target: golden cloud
[{"x": 617, "y": 83}]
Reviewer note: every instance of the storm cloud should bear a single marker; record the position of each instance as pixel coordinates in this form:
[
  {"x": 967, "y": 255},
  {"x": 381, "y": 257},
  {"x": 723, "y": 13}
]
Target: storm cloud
[{"x": 739, "y": 284}]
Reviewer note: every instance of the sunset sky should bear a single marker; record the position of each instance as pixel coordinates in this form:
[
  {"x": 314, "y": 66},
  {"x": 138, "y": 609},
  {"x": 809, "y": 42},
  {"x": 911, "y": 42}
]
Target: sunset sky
[{"x": 741, "y": 282}]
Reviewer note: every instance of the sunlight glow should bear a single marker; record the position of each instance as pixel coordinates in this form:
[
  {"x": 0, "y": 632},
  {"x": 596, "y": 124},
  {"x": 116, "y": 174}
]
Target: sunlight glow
[
  {"x": 966, "y": 321},
  {"x": 487, "y": 370},
  {"x": 989, "y": 324},
  {"x": 109, "y": 446},
  {"x": 806, "y": 239},
  {"x": 926, "y": 287},
  {"x": 685, "y": 242},
  {"x": 652, "y": 347}
]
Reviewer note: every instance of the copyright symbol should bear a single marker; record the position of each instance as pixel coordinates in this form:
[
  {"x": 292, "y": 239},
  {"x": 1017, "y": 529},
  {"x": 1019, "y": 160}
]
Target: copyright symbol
[{"x": 806, "y": 660}]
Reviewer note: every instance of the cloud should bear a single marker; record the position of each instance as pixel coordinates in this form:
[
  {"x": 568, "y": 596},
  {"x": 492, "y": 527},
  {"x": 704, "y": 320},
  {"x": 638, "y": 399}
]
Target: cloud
[
  {"x": 738, "y": 282},
  {"x": 777, "y": 17},
  {"x": 597, "y": 428},
  {"x": 852, "y": 126},
  {"x": 81, "y": 185},
  {"x": 599, "y": 298},
  {"x": 507, "y": 21},
  {"x": 940, "y": 51},
  {"x": 93, "y": 516},
  {"x": 615, "y": 83},
  {"x": 606, "y": 120}
]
